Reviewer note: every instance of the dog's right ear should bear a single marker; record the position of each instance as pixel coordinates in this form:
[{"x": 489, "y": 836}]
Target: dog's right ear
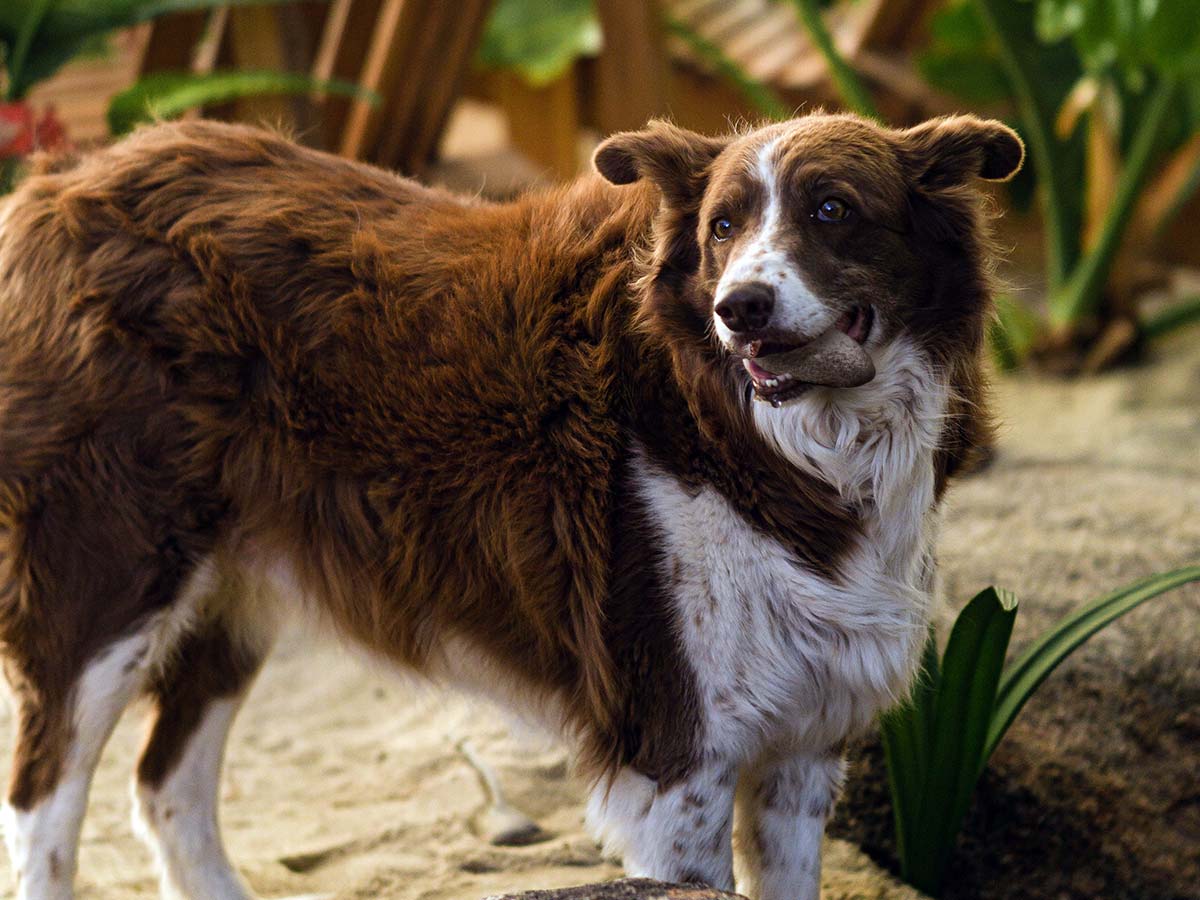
[{"x": 675, "y": 159}]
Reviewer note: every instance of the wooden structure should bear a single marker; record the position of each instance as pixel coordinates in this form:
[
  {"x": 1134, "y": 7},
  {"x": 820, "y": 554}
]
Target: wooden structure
[
  {"x": 416, "y": 55},
  {"x": 643, "y": 71}
]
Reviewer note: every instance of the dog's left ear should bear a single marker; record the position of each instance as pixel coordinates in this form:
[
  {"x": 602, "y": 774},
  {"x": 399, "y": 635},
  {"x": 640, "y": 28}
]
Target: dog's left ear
[
  {"x": 675, "y": 159},
  {"x": 953, "y": 150}
]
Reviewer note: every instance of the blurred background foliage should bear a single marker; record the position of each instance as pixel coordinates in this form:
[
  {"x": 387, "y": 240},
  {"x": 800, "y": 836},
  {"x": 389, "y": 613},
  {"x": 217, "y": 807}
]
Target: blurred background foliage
[{"x": 1106, "y": 94}]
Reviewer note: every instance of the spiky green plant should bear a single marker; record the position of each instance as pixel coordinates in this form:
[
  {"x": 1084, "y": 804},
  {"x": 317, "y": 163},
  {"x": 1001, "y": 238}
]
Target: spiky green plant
[{"x": 939, "y": 741}]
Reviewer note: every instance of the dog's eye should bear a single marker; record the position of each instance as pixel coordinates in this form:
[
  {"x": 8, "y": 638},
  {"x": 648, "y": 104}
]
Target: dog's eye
[
  {"x": 833, "y": 210},
  {"x": 722, "y": 229}
]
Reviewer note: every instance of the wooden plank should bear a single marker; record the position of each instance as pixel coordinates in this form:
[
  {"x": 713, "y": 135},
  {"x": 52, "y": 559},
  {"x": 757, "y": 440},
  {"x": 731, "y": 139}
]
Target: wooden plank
[
  {"x": 891, "y": 25},
  {"x": 332, "y": 35},
  {"x": 172, "y": 42},
  {"x": 632, "y": 71},
  {"x": 380, "y": 66},
  {"x": 438, "y": 42},
  {"x": 730, "y": 21},
  {"x": 207, "y": 51},
  {"x": 344, "y": 43},
  {"x": 777, "y": 24}
]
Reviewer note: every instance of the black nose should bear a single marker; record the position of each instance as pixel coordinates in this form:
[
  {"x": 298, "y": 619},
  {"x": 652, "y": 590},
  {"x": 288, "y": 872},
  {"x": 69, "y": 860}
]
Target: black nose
[{"x": 747, "y": 307}]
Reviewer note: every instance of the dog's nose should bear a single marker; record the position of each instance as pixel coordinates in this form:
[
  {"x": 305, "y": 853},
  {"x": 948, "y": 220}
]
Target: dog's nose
[{"x": 747, "y": 307}]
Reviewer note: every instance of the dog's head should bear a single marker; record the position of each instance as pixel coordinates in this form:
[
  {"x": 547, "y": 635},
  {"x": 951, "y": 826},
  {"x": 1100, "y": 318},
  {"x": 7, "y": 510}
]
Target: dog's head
[{"x": 770, "y": 240}]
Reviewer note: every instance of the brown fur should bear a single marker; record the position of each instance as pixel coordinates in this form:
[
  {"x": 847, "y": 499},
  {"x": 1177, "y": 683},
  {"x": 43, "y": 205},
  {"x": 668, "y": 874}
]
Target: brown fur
[{"x": 214, "y": 340}]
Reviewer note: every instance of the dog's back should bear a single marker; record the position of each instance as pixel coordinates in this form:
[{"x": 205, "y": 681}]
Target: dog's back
[{"x": 224, "y": 357}]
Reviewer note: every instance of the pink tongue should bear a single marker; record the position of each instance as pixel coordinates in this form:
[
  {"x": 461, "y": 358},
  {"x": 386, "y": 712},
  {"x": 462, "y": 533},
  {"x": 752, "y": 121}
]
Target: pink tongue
[{"x": 757, "y": 372}]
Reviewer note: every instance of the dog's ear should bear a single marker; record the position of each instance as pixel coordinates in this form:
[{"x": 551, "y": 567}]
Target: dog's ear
[
  {"x": 952, "y": 150},
  {"x": 675, "y": 159}
]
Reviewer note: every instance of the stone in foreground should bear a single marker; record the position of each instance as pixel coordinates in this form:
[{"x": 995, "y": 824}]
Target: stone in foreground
[{"x": 625, "y": 889}]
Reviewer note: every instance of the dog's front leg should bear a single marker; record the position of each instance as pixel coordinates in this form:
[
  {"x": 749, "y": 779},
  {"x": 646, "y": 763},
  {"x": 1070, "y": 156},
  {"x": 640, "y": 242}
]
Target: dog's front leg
[
  {"x": 783, "y": 806},
  {"x": 678, "y": 833}
]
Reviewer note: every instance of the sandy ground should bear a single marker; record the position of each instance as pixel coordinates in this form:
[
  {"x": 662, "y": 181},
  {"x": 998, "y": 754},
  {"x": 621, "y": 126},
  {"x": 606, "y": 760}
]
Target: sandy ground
[{"x": 346, "y": 780}]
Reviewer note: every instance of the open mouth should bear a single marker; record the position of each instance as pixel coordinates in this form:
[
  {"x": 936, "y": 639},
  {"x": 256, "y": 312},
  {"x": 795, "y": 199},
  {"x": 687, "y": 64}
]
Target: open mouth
[{"x": 775, "y": 387}]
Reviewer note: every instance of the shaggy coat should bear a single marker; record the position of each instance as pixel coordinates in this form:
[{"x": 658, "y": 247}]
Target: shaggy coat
[{"x": 499, "y": 444}]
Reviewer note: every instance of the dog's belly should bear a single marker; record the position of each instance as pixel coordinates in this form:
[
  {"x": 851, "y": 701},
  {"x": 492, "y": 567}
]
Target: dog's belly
[{"x": 781, "y": 656}]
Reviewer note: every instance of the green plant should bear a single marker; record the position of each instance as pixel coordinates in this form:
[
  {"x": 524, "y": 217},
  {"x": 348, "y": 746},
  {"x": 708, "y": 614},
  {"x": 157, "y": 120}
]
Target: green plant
[
  {"x": 165, "y": 95},
  {"x": 37, "y": 37},
  {"x": 1103, "y": 92},
  {"x": 539, "y": 39},
  {"x": 938, "y": 742},
  {"x": 849, "y": 86},
  {"x": 854, "y": 95}
]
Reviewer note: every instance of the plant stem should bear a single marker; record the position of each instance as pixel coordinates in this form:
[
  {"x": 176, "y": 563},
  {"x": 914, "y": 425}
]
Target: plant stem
[
  {"x": 1038, "y": 131},
  {"x": 1190, "y": 185},
  {"x": 762, "y": 98},
  {"x": 8, "y": 175},
  {"x": 1081, "y": 293},
  {"x": 1175, "y": 316},
  {"x": 850, "y": 87}
]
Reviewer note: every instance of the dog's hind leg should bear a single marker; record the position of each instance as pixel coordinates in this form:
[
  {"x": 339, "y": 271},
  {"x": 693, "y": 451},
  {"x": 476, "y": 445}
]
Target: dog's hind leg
[
  {"x": 62, "y": 725},
  {"x": 196, "y": 697}
]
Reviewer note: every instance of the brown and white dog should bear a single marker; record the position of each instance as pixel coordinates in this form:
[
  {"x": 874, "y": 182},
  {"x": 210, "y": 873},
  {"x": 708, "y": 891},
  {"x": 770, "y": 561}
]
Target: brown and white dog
[{"x": 519, "y": 448}]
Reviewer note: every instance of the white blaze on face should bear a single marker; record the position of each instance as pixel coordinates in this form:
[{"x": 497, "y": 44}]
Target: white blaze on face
[{"x": 763, "y": 257}]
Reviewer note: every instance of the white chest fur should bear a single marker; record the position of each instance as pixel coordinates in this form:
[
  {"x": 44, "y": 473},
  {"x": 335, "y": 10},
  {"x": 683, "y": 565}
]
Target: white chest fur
[{"x": 782, "y": 655}]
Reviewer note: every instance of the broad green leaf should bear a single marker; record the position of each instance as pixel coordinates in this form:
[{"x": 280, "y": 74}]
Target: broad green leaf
[
  {"x": 971, "y": 77},
  {"x": 68, "y": 26},
  {"x": 970, "y": 672},
  {"x": 77, "y": 18},
  {"x": 169, "y": 94},
  {"x": 539, "y": 39},
  {"x": 907, "y": 733},
  {"x": 1035, "y": 665}
]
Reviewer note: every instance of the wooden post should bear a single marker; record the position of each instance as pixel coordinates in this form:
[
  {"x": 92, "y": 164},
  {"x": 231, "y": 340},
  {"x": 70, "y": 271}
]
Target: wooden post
[
  {"x": 416, "y": 61},
  {"x": 344, "y": 44},
  {"x": 632, "y": 69},
  {"x": 543, "y": 121},
  {"x": 439, "y": 41}
]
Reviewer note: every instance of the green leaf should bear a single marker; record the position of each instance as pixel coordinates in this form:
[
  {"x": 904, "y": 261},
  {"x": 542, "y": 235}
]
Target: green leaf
[
  {"x": 1180, "y": 313},
  {"x": 1013, "y": 332},
  {"x": 969, "y": 76},
  {"x": 539, "y": 39},
  {"x": 1035, "y": 665},
  {"x": 851, "y": 90},
  {"x": 166, "y": 95},
  {"x": 960, "y": 58},
  {"x": 1040, "y": 78},
  {"x": 34, "y": 16},
  {"x": 77, "y": 18},
  {"x": 68, "y": 25},
  {"x": 907, "y": 733},
  {"x": 970, "y": 673}
]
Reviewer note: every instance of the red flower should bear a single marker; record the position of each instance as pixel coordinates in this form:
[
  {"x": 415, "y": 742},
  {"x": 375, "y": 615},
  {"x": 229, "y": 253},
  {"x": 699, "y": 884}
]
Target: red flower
[
  {"x": 50, "y": 133},
  {"x": 16, "y": 129}
]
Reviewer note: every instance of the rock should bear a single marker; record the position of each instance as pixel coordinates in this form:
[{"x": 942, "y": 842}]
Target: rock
[
  {"x": 847, "y": 875},
  {"x": 625, "y": 889}
]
